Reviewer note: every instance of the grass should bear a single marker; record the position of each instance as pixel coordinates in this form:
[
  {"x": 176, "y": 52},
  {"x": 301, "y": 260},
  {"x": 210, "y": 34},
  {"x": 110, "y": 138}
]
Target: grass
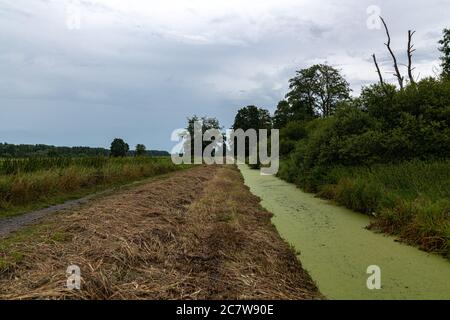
[
  {"x": 10, "y": 256},
  {"x": 200, "y": 234},
  {"x": 409, "y": 199},
  {"x": 25, "y": 190}
]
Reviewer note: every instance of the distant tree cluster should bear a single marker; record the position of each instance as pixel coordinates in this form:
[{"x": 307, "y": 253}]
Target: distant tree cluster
[
  {"x": 8, "y": 150},
  {"x": 119, "y": 148}
]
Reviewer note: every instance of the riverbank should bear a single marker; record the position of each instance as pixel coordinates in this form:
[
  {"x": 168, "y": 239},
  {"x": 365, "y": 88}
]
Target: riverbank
[
  {"x": 336, "y": 248},
  {"x": 410, "y": 199}
]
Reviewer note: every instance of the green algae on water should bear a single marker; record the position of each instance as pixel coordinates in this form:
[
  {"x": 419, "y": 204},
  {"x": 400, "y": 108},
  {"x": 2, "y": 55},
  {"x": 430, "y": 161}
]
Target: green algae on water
[{"x": 336, "y": 248}]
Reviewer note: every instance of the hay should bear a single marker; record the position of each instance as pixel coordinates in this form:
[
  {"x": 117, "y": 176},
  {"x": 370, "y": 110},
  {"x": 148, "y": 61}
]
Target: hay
[{"x": 199, "y": 234}]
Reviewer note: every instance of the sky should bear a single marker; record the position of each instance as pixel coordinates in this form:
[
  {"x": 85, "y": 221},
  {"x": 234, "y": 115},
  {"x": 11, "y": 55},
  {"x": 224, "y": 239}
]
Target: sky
[{"x": 82, "y": 72}]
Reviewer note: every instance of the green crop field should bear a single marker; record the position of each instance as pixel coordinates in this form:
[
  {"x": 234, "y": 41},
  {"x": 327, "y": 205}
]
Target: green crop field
[{"x": 35, "y": 182}]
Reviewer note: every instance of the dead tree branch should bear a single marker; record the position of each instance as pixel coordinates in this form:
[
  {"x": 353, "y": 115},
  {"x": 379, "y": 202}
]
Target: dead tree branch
[
  {"x": 378, "y": 69},
  {"x": 410, "y": 52},
  {"x": 388, "y": 45}
]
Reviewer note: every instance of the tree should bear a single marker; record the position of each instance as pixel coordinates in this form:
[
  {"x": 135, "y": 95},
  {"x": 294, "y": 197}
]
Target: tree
[
  {"x": 140, "y": 150},
  {"x": 207, "y": 124},
  {"x": 319, "y": 88},
  {"x": 252, "y": 117},
  {"x": 282, "y": 115},
  {"x": 445, "y": 49},
  {"x": 298, "y": 111},
  {"x": 119, "y": 148}
]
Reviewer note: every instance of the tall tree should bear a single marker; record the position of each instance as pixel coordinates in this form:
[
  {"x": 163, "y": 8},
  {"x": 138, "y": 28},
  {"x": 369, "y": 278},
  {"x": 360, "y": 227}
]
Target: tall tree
[
  {"x": 320, "y": 88},
  {"x": 140, "y": 150},
  {"x": 252, "y": 117},
  {"x": 297, "y": 111},
  {"x": 445, "y": 49},
  {"x": 119, "y": 148},
  {"x": 282, "y": 115},
  {"x": 207, "y": 123}
]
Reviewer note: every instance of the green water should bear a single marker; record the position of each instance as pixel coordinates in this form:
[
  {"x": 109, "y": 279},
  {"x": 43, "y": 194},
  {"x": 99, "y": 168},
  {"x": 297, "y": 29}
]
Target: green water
[{"x": 336, "y": 249}]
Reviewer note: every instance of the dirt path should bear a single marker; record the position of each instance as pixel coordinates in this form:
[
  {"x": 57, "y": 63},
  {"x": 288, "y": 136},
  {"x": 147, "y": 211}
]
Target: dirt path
[
  {"x": 16, "y": 223},
  {"x": 12, "y": 224},
  {"x": 199, "y": 234}
]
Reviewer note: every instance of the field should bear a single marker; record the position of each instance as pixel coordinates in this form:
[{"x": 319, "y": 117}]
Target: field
[
  {"x": 30, "y": 183},
  {"x": 195, "y": 234}
]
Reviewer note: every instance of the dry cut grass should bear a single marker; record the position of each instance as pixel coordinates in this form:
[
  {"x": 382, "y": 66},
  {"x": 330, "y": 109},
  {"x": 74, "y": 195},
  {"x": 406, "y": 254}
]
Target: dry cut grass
[{"x": 199, "y": 234}]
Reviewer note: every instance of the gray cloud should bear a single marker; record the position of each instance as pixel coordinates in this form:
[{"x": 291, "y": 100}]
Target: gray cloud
[{"x": 137, "y": 69}]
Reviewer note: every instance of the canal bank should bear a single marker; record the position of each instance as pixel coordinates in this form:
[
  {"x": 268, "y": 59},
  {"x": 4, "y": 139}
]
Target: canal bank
[{"x": 336, "y": 249}]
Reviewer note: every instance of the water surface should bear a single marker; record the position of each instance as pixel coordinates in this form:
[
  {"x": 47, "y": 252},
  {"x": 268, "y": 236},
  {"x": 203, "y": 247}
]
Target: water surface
[{"x": 336, "y": 249}]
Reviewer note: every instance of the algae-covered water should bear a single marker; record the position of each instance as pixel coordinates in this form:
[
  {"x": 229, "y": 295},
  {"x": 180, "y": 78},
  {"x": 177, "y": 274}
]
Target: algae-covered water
[{"x": 336, "y": 249}]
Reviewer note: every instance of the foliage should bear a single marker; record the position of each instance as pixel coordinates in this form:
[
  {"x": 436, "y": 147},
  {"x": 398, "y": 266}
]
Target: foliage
[
  {"x": 445, "y": 49},
  {"x": 13, "y": 151},
  {"x": 141, "y": 150},
  {"x": 119, "y": 148},
  {"x": 8, "y": 150},
  {"x": 319, "y": 88},
  {"x": 385, "y": 153},
  {"x": 36, "y": 182},
  {"x": 207, "y": 124},
  {"x": 252, "y": 117}
]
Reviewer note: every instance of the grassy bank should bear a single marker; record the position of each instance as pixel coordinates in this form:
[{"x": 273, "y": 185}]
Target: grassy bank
[
  {"x": 32, "y": 183},
  {"x": 409, "y": 199}
]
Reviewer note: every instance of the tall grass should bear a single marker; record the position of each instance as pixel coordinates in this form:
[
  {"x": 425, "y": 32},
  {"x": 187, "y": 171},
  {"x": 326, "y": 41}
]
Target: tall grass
[{"x": 28, "y": 182}]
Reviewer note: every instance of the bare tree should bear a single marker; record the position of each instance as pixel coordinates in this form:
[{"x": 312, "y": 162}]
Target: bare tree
[
  {"x": 410, "y": 52},
  {"x": 378, "y": 69},
  {"x": 388, "y": 45}
]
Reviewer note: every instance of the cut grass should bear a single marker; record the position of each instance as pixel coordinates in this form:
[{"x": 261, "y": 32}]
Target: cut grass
[{"x": 200, "y": 234}]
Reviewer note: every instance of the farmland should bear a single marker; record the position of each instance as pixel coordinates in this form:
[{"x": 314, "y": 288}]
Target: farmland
[{"x": 31, "y": 183}]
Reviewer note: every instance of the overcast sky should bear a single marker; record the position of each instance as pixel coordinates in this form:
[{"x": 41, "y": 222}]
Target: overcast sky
[{"x": 84, "y": 72}]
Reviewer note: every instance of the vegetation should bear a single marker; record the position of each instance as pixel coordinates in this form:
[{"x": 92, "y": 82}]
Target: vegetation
[
  {"x": 317, "y": 90},
  {"x": 252, "y": 117},
  {"x": 411, "y": 199},
  {"x": 8, "y": 150},
  {"x": 30, "y": 183},
  {"x": 140, "y": 150},
  {"x": 207, "y": 124},
  {"x": 119, "y": 148},
  {"x": 384, "y": 153},
  {"x": 209, "y": 240},
  {"x": 445, "y": 49}
]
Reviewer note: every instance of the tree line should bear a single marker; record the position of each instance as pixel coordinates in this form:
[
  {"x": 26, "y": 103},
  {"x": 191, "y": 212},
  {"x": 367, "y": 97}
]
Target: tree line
[{"x": 118, "y": 149}]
